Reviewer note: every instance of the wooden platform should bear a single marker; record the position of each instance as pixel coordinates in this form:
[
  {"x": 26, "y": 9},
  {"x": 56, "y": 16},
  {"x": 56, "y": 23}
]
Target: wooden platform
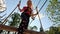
[{"x": 14, "y": 29}]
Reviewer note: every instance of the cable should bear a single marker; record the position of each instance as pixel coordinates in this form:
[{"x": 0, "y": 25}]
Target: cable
[
  {"x": 39, "y": 9},
  {"x": 35, "y": 8},
  {"x": 43, "y": 5},
  {"x": 2, "y": 15},
  {"x": 38, "y": 3},
  {"x": 41, "y": 29}
]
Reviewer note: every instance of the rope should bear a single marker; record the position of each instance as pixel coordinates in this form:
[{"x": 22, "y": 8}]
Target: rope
[
  {"x": 2, "y": 15},
  {"x": 41, "y": 29},
  {"x": 35, "y": 8},
  {"x": 38, "y": 3},
  {"x": 10, "y": 13},
  {"x": 43, "y": 5},
  {"x": 39, "y": 20}
]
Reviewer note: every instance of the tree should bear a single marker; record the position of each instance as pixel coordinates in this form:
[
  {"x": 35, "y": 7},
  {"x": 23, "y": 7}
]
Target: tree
[
  {"x": 53, "y": 30},
  {"x": 53, "y": 11},
  {"x": 16, "y": 19}
]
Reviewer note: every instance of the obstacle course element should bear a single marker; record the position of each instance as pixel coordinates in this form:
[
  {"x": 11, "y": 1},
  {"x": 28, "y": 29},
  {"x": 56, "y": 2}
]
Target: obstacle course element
[{"x": 14, "y": 29}]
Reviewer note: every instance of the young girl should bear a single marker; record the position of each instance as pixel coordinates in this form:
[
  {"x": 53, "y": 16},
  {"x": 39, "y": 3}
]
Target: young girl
[{"x": 26, "y": 13}]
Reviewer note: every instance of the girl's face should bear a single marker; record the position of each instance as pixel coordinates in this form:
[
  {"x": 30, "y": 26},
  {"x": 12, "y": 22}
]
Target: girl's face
[{"x": 29, "y": 4}]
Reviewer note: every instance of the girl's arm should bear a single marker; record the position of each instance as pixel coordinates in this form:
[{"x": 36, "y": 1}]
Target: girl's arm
[
  {"x": 32, "y": 15},
  {"x": 21, "y": 10}
]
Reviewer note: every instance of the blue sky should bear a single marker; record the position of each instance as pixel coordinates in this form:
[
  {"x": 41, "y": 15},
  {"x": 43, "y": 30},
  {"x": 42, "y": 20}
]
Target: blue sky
[{"x": 11, "y": 4}]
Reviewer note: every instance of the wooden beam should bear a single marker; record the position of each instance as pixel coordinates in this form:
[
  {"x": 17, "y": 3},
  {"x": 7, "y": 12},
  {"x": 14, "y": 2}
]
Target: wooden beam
[
  {"x": 14, "y": 29},
  {"x": 8, "y": 28}
]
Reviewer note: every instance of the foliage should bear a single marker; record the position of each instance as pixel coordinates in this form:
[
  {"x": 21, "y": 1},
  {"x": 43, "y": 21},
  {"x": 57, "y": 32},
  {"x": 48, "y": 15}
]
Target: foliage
[
  {"x": 15, "y": 22},
  {"x": 16, "y": 19},
  {"x": 53, "y": 30},
  {"x": 53, "y": 11}
]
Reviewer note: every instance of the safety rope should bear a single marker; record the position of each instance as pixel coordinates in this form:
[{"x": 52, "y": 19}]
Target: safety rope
[
  {"x": 43, "y": 5},
  {"x": 39, "y": 9},
  {"x": 38, "y": 4},
  {"x": 35, "y": 8},
  {"x": 41, "y": 29},
  {"x": 2, "y": 15}
]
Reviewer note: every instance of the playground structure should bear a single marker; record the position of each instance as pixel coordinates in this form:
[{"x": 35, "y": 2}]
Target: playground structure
[{"x": 14, "y": 29}]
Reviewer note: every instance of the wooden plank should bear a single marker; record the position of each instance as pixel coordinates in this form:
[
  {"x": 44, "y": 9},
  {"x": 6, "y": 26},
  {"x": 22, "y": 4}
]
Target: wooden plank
[
  {"x": 14, "y": 29},
  {"x": 8, "y": 28}
]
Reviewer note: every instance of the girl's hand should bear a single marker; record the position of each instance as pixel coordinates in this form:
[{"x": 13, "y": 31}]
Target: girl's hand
[
  {"x": 37, "y": 13},
  {"x": 18, "y": 5}
]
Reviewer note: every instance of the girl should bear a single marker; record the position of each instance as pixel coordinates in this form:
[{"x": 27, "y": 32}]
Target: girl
[{"x": 26, "y": 13}]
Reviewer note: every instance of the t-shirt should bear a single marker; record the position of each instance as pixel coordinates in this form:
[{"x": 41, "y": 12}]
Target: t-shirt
[{"x": 27, "y": 10}]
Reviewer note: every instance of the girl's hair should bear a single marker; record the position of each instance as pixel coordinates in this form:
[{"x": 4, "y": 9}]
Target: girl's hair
[{"x": 29, "y": 2}]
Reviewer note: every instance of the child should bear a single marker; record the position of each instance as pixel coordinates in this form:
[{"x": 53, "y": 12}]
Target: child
[{"x": 26, "y": 13}]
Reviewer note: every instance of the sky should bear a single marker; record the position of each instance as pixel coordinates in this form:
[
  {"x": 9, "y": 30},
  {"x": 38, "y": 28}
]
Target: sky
[{"x": 46, "y": 23}]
